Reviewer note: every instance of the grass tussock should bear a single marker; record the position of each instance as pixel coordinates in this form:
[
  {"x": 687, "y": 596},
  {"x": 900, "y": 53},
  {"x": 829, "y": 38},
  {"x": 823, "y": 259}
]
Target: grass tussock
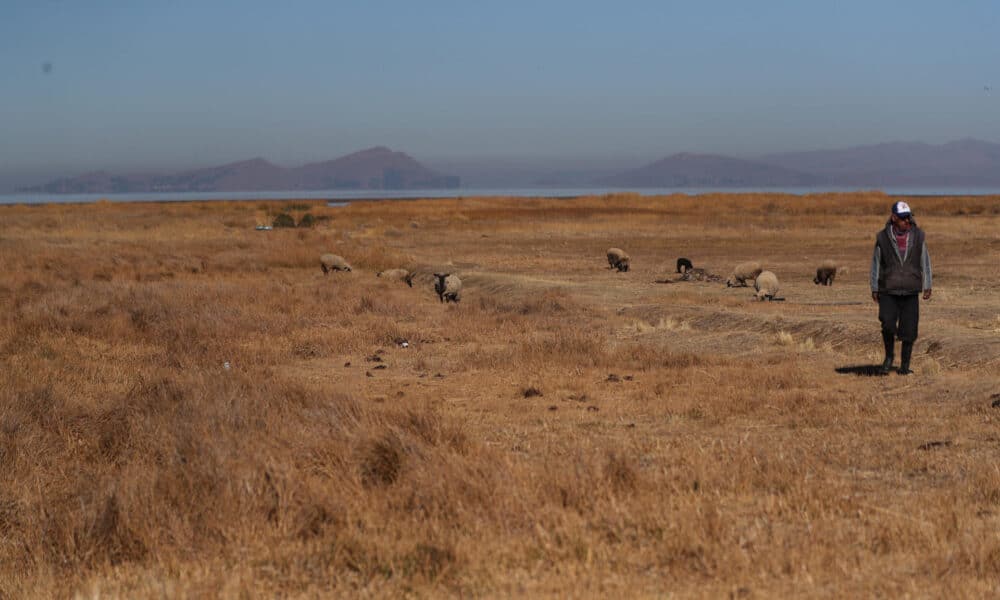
[
  {"x": 200, "y": 462},
  {"x": 188, "y": 406}
]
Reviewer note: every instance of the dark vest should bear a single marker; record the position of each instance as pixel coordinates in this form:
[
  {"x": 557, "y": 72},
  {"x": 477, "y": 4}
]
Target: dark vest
[{"x": 897, "y": 276}]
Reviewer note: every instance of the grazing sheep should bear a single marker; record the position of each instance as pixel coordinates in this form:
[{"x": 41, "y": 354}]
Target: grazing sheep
[
  {"x": 743, "y": 272},
  {"x": 825, "y": 273},
  {"x": 618, "y": 259},
  {"x": 332, "y": 262},
  {"x": 397, "y": 275},
  {"x": 684, "y": 265},
  {"x": 766, "y": 285},
  {"x": 448, "y": 287}
]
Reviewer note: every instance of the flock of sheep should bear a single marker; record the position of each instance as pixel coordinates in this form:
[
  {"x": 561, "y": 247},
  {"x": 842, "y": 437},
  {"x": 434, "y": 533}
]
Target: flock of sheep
[
  {"x": 765, "y": 283},
  {"x": 447, "y": 285}
]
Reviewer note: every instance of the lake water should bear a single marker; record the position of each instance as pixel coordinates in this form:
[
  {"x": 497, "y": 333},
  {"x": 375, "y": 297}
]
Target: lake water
[{"x": 344, "y": 197}]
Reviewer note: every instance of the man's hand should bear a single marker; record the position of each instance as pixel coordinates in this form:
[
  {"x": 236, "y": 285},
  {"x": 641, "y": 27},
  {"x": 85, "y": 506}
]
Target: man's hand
[
  {"x": 875, "y": 297},
  {"x": 927, "y": 294}
]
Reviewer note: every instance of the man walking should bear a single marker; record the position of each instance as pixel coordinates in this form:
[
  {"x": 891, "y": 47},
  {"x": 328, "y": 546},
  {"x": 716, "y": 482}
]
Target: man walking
[{"x": 901, "y": 269}]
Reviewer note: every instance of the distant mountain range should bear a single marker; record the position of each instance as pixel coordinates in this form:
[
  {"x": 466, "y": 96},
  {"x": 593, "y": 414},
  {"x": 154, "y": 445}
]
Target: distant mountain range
[
  {"x": 709, "y": 170},
  {"x": 377, "y": 168},
  {"x": 967, "y": 162},
  {"x": 963, "y": 163}
]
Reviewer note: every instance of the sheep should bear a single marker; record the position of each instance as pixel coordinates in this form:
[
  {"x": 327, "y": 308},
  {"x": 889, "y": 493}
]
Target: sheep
[
  {"x": 766, "y": 286},
  {"x": 448, "y": 287},
  {"x": 826, "y": 272},
  {"x": 398, "y": 275},
  {"x": 618, "y": 259},
  {"x": 742, "y": 272},
  {"x": 684, "y": 265},
  {"x": 332, "y": 262}
]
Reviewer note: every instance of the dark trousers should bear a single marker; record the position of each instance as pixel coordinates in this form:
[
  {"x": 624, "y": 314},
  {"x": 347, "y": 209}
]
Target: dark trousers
[{"x": 899, "y": 315}]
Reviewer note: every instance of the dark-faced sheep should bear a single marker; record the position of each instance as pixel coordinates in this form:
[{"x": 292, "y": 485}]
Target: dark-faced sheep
[
  {"x": 826, "y": 272},
  {"x": 448, "y": 287},
  {"x": 618, "y": 259},
  {"x": 684, "y": 265},
  {"x": 766, "y": 285},
  {"x": 333, "y": 262},
  {"x": 397, "y": 275},
  {"x": 742, "y": 273}
]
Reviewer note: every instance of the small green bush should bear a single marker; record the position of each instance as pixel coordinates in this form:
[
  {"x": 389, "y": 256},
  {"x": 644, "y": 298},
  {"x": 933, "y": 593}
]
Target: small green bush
[
  {"x": 307, "y": 220},
  {"x": 283, "y": 220}
]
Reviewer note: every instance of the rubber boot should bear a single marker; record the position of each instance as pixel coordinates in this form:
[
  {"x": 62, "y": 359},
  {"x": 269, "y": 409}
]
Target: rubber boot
[
  {"x": 888, "y": 340},
  {"x": 904, "y": 359}
]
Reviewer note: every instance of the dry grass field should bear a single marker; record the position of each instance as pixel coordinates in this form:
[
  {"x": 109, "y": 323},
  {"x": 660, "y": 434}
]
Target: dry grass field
[{"x": 565, "y": 430}]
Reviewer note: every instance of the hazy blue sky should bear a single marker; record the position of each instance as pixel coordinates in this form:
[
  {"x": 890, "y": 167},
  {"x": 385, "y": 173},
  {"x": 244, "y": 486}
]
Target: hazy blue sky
[{"x": 131, "y": 84}]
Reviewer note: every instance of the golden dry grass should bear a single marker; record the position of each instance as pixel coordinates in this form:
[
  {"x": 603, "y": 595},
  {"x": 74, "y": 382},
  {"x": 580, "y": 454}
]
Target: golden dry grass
[{"x": 565, "y": 430}]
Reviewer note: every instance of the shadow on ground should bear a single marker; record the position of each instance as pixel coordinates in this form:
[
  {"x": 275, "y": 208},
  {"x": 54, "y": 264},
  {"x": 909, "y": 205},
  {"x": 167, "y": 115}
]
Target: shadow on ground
[{"x": 862, "y": 370}]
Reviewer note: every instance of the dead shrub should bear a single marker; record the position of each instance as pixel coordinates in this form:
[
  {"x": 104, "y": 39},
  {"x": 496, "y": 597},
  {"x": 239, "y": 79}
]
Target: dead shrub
[
  {"x": 378, "y": 305},
  {"x": 312, "y": 521},
  {"x": 42, "y": 406},
  {"x": 162, "y": 393},
  {"x": 575, "y": 347},
  {"x": 430, "y": 428},
  {"x": 308, "y": 350},
  {"x": 507, "y": 299},
  {"x": 989, "y": 566},
  {"x": 681, "y": 360},
  {"x": 114, "y": 434},
  {"x": 146, "y": 318},
  {"x": 620, "y": 473},
  {"x": 552, "y": 302},
  {"x": 531, "y": 392},
  {"x": 358, "y": 556},
  {"x": 429, "y": 560},
  {"x": 108, "y": 537},
  {"x": 379, "y": 258},
  {"x": 573, "y": 484},
  {"x": 10, "y": 514},
  {"x": 382, "y": 461}
]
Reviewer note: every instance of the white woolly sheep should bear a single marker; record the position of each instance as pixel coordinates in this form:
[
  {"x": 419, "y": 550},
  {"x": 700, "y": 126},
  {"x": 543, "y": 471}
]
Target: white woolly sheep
[
  {"x": 826, "y": 272},
  {"x": 448, "y": 287},
  {"x": 332, "y": 262},
  {"x": 766, "y": 285},
  {"x": 397, "y": 275},
  {"x": 743, "y": 272},
  {"x": 618, "y": 259}
]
